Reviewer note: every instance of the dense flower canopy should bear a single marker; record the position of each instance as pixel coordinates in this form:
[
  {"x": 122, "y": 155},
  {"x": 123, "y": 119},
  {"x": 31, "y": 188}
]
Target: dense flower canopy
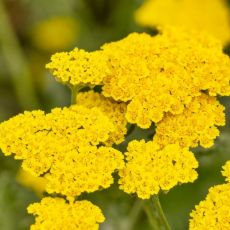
[
  {"x": 211, "y": 16},
  {"x": 170, "y": 69},
  {"x": 196, "y": 125},
  {"x": 149, "y": 169},
  {"x": 56, "y": 214},
  {"x": 63, "y": 145},
  {"x": 114, "y": 110},
  {"x": 213, "y": 212},
  {"x": 153, "y": 75}
]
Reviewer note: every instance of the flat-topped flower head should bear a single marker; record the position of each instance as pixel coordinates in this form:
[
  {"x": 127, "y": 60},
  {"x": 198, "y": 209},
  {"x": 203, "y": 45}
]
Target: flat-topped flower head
[
  {"x": 87, "y": 170},
  {"x": 114, "y": 110},
  {"x": 149, "y": 169},
  {"x": 211, "y": 16},
  {"x": 196, "y": 125},
  {"x": 62, "y": 143},
  {"x": 79, "y": 67},
  {"x": 56, "y": 214},
  {"x": 161, "y": 74}
]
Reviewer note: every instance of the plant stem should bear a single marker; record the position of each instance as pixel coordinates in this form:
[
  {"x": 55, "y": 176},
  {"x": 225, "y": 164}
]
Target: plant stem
[
  {"x": 156, "y": 215},
  {"x": 16, "y": 63},
  {"x": 74, "y": 91}
]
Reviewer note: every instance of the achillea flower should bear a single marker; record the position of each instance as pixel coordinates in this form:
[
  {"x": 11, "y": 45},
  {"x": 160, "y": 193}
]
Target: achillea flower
[
  {"x": 213, "y": 212},
  {"x": 154, "y": 75},
  {"x": 56, "y": 214},
  {"x": 211, "y": 16},
  {"x": 79, "y": 67},
  {"x": 164, "y": 73},
  {"x": 62, "y": 143},
  {"x": 87, "y": 170},
  {"x": 114, "y": 110},
  {"x": 149, "y": 169},
  {"x": 35, "y": 183},
  {"x": 196, "y": 125}
]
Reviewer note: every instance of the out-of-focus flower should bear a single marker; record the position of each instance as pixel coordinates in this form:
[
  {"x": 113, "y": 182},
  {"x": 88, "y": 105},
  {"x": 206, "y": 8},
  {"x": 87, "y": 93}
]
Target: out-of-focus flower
[
  {"x": 211, "y": 16},
  {"x": 55, "y": 34},
  {"x": 35, "y": 183}
]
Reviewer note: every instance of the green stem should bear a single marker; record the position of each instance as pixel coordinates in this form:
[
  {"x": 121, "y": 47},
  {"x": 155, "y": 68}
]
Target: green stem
[
  {"x": 156, "y": 215},
  {"x": 74, "y": 91},
  {"x": 16, "y": 63}
]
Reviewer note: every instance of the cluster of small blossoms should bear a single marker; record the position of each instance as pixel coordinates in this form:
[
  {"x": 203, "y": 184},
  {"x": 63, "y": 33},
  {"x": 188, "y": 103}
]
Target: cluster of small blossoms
[
  {"x": 56, "y": 214},
  {"x": 171, "y": 79},
  {"x": 211, "y": 16},
  {"x": 114, "y": 110},
  {"x": 79, "y": 67},
  {"x": 150, "y": 169},
  {"x": 196, "y": 125},
  {"x": 213, "y": 212},
  {"x": 63, "y": 145}
]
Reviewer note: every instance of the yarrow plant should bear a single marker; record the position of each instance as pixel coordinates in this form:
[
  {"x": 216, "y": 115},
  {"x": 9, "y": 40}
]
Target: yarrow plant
[{"x": 168, "y": 83}]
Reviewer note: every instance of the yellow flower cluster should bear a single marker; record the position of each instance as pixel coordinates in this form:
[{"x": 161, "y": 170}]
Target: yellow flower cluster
[
  {"x": 56, "y": 214},
  {"x": 114, "y": 110},
  {"x": 153, "y": 75},
  {"x": 150, "y": 169},
  {"x": 196, "y": 125},
  {"x": 164, "y": 73},
  {"x": 79, "y": 67},
  {"x": 211, "y": 16},
  {"x": 63, "y": 145},
  {"x": 37, "y": 184},
  {"x": 213, "y": 213}
]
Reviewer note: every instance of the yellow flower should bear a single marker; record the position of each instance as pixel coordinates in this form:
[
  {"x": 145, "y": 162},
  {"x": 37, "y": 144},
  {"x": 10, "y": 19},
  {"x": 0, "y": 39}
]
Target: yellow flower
[
  {"x": 213, "y": 212},
  {"x": 37, "y": 184},
  {"x": 164, "y": 73},
  {"x": 196, "y": 125},
  {"x": 79, "y": 67},
  {"x": 114, "y": 110},
  {"x": 226, "y": 171},
  {"x": 149, "y": 169},
  {"x": 55, "y": 33},
  {"x": 57, "y": 214},
  {"x": 63, "y": 145},
  {"x": 211, "y": 16}
]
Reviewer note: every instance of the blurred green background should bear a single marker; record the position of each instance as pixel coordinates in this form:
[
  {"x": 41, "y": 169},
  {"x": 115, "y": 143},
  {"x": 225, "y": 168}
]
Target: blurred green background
[{"x": 30, "y": 32}]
